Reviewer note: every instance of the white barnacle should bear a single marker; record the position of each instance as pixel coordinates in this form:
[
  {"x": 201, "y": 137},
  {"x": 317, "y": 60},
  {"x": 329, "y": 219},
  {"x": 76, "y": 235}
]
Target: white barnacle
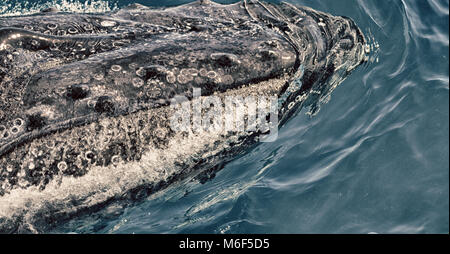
[
  {"x": 98, "y": 76},
  {"x": 88, "y": 27},
  {"x": 18, "y": 122},
  {"x": 140, "y": 72},
  {"x": 14, "y": 130},
  {"x": 61, "y": 32},
  {"x": 189, "y": 78},
  {"x": 133, "y": 66},
  {"x": 52, "y": 26},
  {"x": 211, "y": 74},
  {"x": 116, "y": 67},
  {"x": 286, "y": 56},
  {"x": 192, "y": 58},
  {"x": 91, "y": 103},
  {"x": 53, "y": 47},
  {"x": 50, "y": 144},
  {"x": 203, "y": 72},
  {"x": 291, "y": 104},
  {"x": 118, "y": 44},
  {"x": 89, "y": 155},
  {"x": 5, "y": 134},
  {"x": 137, "y": 82},
  {"x": 182, "y": 79},
  {"x": 154, "y": 92},
  {"x": 193, "y": 71},
  {"x": 227, "y": 79},
  {"x": 171, "y": 78},
  {"x": 179, "y": 58},
  {"x": 34, "y": 151},
  {"x": 107, "y": 23},
  {"x": 115, "y": 160},
  {"x": 62, "y": 165},
  {"x": 72, "y": 30},
  {"x": 184, "y": 72}
]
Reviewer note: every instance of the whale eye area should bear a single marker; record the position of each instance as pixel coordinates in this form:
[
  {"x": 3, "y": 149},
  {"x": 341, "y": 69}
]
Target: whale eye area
[{"x": 18, "y": 122}]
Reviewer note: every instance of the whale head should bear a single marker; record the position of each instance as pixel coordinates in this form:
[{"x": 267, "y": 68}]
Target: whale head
[{"x": 86, "y": 99}]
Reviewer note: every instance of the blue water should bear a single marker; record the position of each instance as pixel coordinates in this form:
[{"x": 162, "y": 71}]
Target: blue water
[{"x": 374, "y": 159}]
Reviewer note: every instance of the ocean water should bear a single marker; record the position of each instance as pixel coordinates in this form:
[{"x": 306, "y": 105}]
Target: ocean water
[{"x": 374, "y": 159}]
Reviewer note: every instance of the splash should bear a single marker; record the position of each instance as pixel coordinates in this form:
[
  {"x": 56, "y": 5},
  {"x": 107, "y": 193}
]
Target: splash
[
  {"x": 372, "y": 48},
  {"x": 16, "y": 8}
]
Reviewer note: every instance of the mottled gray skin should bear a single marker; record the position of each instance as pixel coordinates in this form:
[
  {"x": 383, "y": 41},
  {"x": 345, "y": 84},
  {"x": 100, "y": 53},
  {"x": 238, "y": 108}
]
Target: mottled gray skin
[{"x": 79, "y": 91}]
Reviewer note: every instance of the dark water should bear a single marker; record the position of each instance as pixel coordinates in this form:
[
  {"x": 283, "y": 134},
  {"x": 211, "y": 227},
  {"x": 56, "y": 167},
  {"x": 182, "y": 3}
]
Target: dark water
[{"x": 374, "y": 159}]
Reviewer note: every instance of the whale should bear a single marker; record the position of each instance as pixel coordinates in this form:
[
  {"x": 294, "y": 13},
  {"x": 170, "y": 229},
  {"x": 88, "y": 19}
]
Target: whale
[{"x": 87, "y": 100}]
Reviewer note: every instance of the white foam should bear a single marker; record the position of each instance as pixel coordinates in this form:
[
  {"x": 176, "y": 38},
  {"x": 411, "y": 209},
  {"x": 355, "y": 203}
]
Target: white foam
[{"x": 18, "y": 8}]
